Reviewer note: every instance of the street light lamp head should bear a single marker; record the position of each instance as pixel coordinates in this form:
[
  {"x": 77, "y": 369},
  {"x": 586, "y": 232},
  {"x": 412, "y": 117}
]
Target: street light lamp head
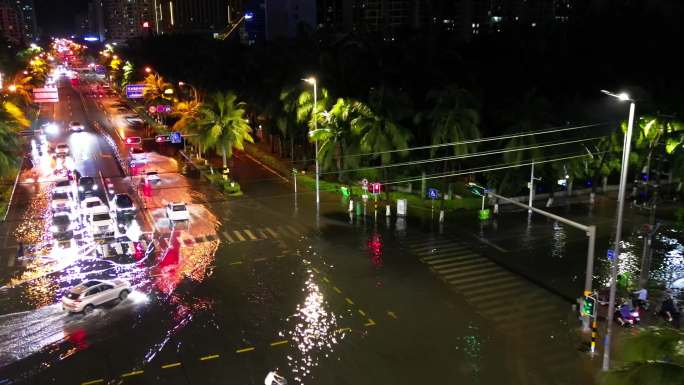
[
  {"x": 12, "y": 88},
  {"x": 148, "y": 69},
  {"x": 623, "y": 96},
  {"x": 181, "y": 84},
  {"x": 310, "y": 80}
]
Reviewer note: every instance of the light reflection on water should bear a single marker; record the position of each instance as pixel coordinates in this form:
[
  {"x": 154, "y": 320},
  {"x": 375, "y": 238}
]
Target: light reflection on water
[
  {"x": 314, "y": 328},
  {"x": 559, "y": 240}
]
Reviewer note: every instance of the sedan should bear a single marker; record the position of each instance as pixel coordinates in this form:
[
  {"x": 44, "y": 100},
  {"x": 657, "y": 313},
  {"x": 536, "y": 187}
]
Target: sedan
[
  {"x": 91, "y": 205},
  {"x": 123, "y": 204},
  {"x": 177, "y": 212},
  {"x": 62, "y": 149},
  {"x": 76, "y": 126},
  {"x": 87, "y": 295},
  {"x": 87, "y": 185},
  {"x": 63, "y": 226},
  {"x": 63, "y": 186}
]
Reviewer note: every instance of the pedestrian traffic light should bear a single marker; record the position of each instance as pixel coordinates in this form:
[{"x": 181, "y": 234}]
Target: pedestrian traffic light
[
  {"x": 133, "y": 140},
  {"x": 588, "y": 306}
]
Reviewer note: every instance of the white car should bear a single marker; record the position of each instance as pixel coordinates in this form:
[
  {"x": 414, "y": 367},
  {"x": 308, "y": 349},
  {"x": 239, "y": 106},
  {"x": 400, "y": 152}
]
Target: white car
[
  {"x": 152, "y": 177},
  {"x": 177, "y": 212},
  {"x": 62, "y": 149},
  {"x": 76, "y": 126},
  {"x": 63, "y": 186},
  {"x": 87, "y": 295},
  {"x": 61, "y": 201},
  {"x": 101, "y": 223},
  {"x": 91, "y": 205},
  {"x": 137, "y": 154}
]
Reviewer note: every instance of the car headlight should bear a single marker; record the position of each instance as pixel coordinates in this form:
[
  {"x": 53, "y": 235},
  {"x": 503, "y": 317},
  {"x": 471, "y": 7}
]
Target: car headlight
[
  {"x": 53, "y": 228},
  {"x": 94, "y": 187},
  {"x": 54, "y": 205},
  {"x": 80, "y": 188}
]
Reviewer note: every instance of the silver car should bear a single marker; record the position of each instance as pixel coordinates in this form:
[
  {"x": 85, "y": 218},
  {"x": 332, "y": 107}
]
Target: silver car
[{"x": 85, "y": 296}]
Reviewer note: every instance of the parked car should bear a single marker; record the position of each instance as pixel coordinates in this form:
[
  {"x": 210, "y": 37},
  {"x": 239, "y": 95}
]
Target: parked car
[
  {"x": 152, "y": 177},
  {"x": 76, "y": 126},
  {"x": 177, "y": 212},
  {"x": 85, "y": 296},
  {"x": 63, "y": 186},
  {"x": 61, "y": 202}
]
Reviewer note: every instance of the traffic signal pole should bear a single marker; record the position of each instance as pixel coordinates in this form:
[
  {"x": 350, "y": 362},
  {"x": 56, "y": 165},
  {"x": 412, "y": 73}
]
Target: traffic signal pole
[{"x": 591, "y": 235}]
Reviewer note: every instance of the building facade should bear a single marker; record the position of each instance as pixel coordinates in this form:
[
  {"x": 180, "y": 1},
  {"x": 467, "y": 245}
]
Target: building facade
[
  {"x": 18, "y": 21},
  {"x": 192, "y": 16}
]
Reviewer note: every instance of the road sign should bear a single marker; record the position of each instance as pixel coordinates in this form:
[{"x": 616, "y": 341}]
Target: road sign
[
  {"x": 611, "y": 254},
  {"x": 176, "y": 137},
  {"x": 162, "y": 138},
  {"x": 135, "y": 91},
  {"x": 375, "y": 187},
  {"x": 433, "y": 193},
  {"x": 152, "y": 109}
]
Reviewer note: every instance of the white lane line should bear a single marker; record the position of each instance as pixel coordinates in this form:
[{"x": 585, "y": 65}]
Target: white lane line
[
  {"x": 250, "y": 235},
  {"x": 273, "y": 233},
  {"x": 238, "y": 235}
]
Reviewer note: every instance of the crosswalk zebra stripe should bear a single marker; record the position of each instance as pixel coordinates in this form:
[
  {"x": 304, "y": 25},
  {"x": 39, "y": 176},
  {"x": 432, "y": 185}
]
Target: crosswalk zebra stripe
[
  {"x": 294, "y": 230},
  {"x": 228, "y": 237},
  {"x": 431, "y": 248},
  {"x": 250, "y": 235},
  {"x": 470, "y": 271},
  {"x": 462, "y": 263},
  {"x": 261, "y": 234},
  {"x": 437, "y": 258},
  {"x": 496, "y": 283},
  {"x": 489, "y": 294},
  {"x": 438, "y": 252},
  {"x": 273, "y": 233},
  {"x": 238, "y": 235},
  {"x": 450, "y": 279}
]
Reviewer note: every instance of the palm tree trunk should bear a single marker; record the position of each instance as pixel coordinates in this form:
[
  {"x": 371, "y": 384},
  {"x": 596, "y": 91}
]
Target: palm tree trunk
[{"x": 223, "y": 155}]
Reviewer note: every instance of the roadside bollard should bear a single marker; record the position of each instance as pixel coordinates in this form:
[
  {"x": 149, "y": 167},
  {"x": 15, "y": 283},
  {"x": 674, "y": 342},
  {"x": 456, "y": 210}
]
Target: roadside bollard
[
  {"x": 441, "y": 216},
  {"x": 388, "y": 211},
  {"x": 351, "y": 205}
]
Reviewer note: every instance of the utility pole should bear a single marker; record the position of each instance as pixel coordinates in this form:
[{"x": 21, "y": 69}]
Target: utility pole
[{"x": 531, "y": 186}]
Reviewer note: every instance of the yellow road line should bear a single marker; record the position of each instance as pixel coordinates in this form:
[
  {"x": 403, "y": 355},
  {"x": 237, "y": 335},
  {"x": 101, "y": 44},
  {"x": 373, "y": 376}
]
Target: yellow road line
[
  {"x": 92, "y": 382},
  {"x": 280, "y": 256},
  {"x": 370, "y": 322},
  {"x": 315, "y": 269},
  {"x": 391, "y": 314},
  {"x": 244, "y": 350},
  {"x": 228, "y": 237},
  {"x": 259, "y": 259},
  {"x": 250, "y": 235},
  {"x": 337, "y": 290},
  {"x": 236, "y": 263},
  {"x": 133, "y": 373},
  {"x": 276, "y": 343},
  {"x": 211, "y": 357},
  {"x": 167, "y": 366},
  {"x": 349, "y": 301},
  {"x": 342, "y": 330},
  {"x": 326, "y": 279},
  {"x": 362, "y": 312},
  {"x": 238, "y": 235}
]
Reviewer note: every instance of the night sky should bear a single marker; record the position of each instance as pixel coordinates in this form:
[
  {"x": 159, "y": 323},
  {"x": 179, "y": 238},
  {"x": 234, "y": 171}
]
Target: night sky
[{"x": 57, "y": 16}]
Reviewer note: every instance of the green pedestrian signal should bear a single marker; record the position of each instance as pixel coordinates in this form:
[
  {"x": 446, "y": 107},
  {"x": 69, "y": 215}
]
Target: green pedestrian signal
[
  {"x": 588, "y": 306},
  {"x": 345, "y": 191}
]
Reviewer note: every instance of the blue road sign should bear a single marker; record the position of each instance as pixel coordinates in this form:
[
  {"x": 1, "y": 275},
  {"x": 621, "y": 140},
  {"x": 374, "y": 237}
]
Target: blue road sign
[
  {"x": 176, "y": 137},
  {"x": 611, "y": 255},
  {"x": 433, "y": 193},
  {"x": 135, "y": 91}
]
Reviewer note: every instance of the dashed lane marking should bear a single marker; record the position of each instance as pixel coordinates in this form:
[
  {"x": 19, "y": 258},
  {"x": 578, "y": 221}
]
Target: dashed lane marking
[
  {"x": 326, "y": 280},
  {"x": 238, "y": 235},
  {"x": 211, "y": 357},
  {"x": 337, "y": 290},
  {"x": 228, "y": 237},
  {"x": 315, "y": 269},
  {"x": 280, "y": 256},
  {"x": 98, "y": 381},
  {"x": 391, "y": 314},
  {"x": 236, "y": 263},
  {"x": 250, "y": 235},
  {"x": 342, "y": 330},
  {"x": 243, "y": 350},
  {"x": 133, "y": 373},
  {"x": 276, "y": 343},
  {"x": 370, "y": 322},
  {"x": 168, "y": 366},
  {"x": 259, "y": 259},
  {"x": 362, "y": 312},
  {"x": 349, "y": 301}
]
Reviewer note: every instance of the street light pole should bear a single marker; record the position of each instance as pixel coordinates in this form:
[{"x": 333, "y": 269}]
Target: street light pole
[{"x": 618, "y": 227}]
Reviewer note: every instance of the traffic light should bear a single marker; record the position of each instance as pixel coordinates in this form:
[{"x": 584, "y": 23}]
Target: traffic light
[
  {"x": 133, "y": 140},
  {"x": 588, "y": 306},
  {"x": 162, "y": 138}
]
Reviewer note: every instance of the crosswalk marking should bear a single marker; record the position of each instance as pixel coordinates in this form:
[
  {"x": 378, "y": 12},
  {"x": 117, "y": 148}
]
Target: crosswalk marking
[
  {"x": 273, "y": 233},
  {"x": 452, "y": 256},
  {"x": 477, "y": 278},
  {"x": 239, "y": 236},
  {"x": 468, "y": 272},
  {"x": 250, "y": 235},
  {"x": 228, "y": 237}
]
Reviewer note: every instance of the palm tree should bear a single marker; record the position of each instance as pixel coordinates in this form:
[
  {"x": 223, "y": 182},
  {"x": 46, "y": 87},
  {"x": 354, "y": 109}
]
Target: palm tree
[
  {"x": 454, "y": 117},
  {"x": 155, "y": 87},
  {"x": 221, "y": 124},
  {"x": 128, "y": 69},
  {"x": 652, "y": 356},
  {"x": 378, "y": 124}
]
